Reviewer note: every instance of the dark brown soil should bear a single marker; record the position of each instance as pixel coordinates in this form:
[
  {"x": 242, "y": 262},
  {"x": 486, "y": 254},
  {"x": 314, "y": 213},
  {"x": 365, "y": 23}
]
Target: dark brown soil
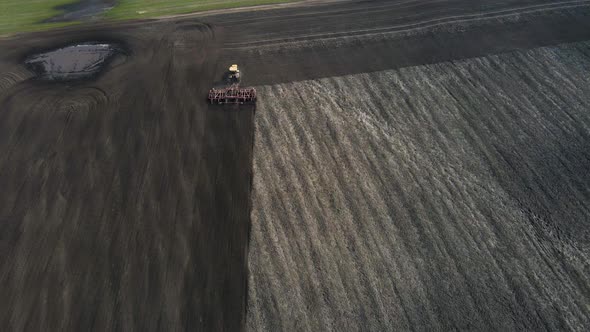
[{"x": 126, "y": 199}]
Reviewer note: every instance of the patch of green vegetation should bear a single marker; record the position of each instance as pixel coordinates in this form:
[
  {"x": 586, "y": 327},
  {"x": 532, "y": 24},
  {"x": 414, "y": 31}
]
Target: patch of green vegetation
[
  {"x": 129, "y": 9},
  {"x": 27, "y": 15}
]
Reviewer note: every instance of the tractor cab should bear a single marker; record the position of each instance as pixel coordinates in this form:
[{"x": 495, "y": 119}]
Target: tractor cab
[{"x": 234, "y": 74}]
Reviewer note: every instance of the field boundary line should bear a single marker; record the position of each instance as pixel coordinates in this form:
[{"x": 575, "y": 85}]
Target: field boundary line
[{"x": 413, "y": 26}]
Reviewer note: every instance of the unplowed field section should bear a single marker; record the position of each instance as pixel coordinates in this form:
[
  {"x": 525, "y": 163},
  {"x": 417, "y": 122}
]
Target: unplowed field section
[{"x": 439, "y": 197}]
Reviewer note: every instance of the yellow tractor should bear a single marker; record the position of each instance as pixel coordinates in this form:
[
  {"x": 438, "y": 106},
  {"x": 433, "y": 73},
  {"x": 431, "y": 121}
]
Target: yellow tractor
[
  {"x": 234, "y": 74},
  {"x": 233, "y": 93}
]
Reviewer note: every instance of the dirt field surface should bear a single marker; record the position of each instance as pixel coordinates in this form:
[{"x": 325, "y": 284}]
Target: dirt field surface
[
  {"x": 440, "y": 197},
  {"x": 417, "y": 165},
  {"x": 125, "y": 199}
]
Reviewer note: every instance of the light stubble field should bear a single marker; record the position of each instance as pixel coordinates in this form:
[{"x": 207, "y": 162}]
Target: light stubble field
[{"x": 438, "y": 197}]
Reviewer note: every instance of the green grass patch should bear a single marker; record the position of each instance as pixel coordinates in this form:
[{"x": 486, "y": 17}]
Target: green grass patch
[
  {"x": 130, "y": 9},
  {"x": 26, "y": 15}
]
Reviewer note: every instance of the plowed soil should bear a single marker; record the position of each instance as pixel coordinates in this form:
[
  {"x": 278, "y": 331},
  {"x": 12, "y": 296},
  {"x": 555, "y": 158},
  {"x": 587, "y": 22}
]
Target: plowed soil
[
  {"x": 125, "y": 199},
  {"x": 415, "y": 165}
]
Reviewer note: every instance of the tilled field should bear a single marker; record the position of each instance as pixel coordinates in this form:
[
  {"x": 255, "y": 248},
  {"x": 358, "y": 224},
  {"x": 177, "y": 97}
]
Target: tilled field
[
  {"x": 367, "y": 36},
  {"x": 439, "y": 197},
  {"x": 125, "y": 199},
  {"x": 452, "y": 195}
]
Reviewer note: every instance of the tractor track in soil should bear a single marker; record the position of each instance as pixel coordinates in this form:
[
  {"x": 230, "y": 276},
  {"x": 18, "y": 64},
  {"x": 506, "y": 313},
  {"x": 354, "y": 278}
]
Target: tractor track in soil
[{"x": 127, "y": 201}]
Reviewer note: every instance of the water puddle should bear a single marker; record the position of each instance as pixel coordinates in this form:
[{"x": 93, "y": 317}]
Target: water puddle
[
  {"x": 72, "y": 62},
  {"x": 83, "y": 10}
]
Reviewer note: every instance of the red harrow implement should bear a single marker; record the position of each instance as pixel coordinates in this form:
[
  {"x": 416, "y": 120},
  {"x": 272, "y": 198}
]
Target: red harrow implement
[{"x": 232, "y": 95}]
